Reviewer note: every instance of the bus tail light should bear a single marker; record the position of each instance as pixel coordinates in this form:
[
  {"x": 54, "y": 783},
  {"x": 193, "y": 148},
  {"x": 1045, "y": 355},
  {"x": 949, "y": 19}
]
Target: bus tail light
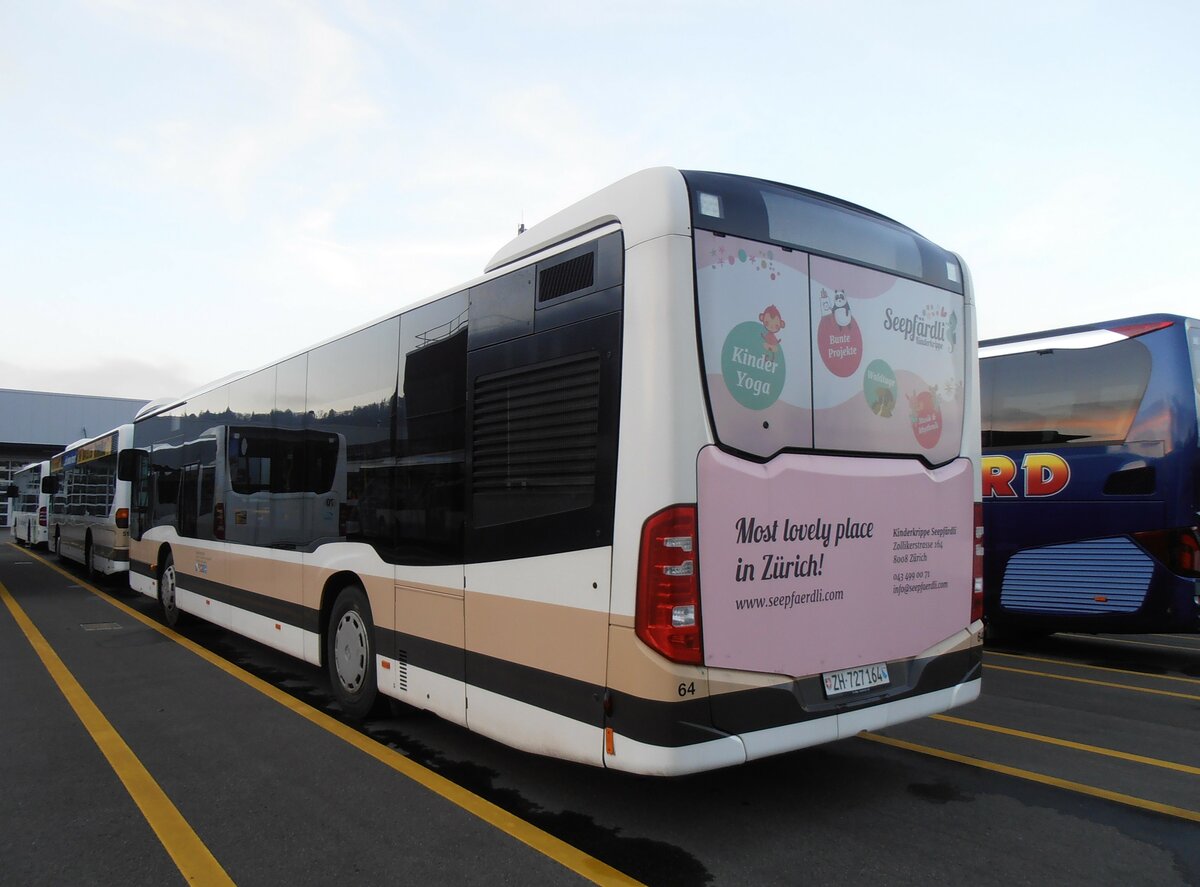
[
  {"x": 42, "y": 517},
  {"x": 1179, "y": 549},
  {"x": 977, "y": 567},
  {"x": 122, "y": 518},
  {"x": 219, "y": 520},
  {"x": 667, "y": 615}
]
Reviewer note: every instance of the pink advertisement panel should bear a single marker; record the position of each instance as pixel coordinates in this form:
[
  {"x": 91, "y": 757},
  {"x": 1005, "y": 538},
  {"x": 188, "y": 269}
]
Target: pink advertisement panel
[{"x": 816, "y": 563}]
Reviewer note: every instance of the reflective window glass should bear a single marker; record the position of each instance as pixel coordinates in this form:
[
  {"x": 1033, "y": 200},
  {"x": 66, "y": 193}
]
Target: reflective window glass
[{"x": 1064, "y": 395}]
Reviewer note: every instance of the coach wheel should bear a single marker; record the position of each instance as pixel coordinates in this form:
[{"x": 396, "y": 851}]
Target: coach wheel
[
  {"x": 166, "y": 593},
  {"x": 88, "y": 566},
  {"x": 58, "y": 546},
  {"x": 350, "y": 653}
]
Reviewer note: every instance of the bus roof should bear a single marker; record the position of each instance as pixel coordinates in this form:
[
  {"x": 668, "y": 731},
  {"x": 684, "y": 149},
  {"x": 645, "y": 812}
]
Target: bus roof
[
  {"x": 647, "y": 204},
  {"x": 1087, "y": 335}
]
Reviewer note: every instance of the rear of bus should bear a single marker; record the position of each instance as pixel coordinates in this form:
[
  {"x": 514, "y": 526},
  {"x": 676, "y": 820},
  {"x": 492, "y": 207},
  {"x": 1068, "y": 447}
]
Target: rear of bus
[
  {"x": 819, "y": 576},
  {"x": 30, "y": 504},
  {"x": 89, "y": 505},
  {"x": 1090, "y": 477}
]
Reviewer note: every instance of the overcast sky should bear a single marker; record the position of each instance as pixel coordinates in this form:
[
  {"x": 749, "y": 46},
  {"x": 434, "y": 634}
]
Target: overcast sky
[{"x": 188, "y": 189}]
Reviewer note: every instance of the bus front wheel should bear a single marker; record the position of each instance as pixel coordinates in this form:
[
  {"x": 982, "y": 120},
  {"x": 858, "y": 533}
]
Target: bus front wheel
[
  {"x": 89, "y": 567},
  {"x": 350, "y": 653}
]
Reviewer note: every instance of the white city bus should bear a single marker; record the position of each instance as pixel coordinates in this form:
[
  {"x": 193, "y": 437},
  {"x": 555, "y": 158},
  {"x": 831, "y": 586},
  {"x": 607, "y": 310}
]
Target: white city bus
[
  {"x": 30, "y": 506},
  {"x": 690, "y": 476},
  {"x": 89, "y": 505}
]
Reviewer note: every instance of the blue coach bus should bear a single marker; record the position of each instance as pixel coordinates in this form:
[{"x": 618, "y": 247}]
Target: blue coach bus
[{"x": 1091, "y": 485}]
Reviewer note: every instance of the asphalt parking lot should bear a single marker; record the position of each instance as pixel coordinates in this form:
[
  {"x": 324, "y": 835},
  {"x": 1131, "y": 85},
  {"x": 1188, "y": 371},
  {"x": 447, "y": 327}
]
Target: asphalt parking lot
[{"x": 132, "y": 754}]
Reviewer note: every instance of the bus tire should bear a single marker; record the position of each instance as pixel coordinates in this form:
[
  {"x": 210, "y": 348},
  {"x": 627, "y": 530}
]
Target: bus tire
[
  {"x": 58, "y": 546},
  {"x": 166, "y": 593},
  {"x": 350, "y": 653},
  {"x": 89, "y": 568}
]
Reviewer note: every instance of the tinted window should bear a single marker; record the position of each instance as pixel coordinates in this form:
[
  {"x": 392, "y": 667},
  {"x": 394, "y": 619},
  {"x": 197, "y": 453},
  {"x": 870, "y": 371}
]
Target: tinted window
[
  {"x": 1063, "y": 396},
  {"x": 291, "y": 390},
  {"x": 252, "y": 399},
  {"x": 781, "y": 214},
  {"x": 351, "y": 393},
  {"x": 430, "y": 422}
]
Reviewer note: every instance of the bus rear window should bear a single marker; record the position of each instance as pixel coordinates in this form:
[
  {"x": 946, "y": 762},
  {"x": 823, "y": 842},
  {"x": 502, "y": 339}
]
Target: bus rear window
[
  {"x": 1063, "y": 396},
  {"x": 807, "y": 352}
]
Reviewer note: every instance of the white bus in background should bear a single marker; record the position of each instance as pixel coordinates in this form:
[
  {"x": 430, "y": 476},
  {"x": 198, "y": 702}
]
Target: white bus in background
[
  {"x": 251, "y": 485},
  {"x": 89, "y": 507},
  {"x": 690, "y": 476},
  {"x": 29, "y": 506}
]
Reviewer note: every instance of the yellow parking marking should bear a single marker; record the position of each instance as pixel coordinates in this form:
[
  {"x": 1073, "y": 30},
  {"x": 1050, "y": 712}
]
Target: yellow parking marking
[
  {"x": 1063, "y": 677},
  {"x": 1043, "y": 779},
  {"x": 1111, "y": 640},
  {"x": 1067, "y": 743},
  {"x": 560, "y": 851},
  {"x": 1067, "y": 662},
  {"x": 191, "y": 856}
]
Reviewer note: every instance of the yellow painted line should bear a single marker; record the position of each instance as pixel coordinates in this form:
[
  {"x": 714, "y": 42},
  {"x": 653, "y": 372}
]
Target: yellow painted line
[
  {"x": 1067, "y": 662},
  {"x": 1123, "y": 641},
  {"x": 545, "y": 843},
  {"x": 1063, "y": 677},
  {"x": 1173, "y": 637},
  {"x": 191, "y": 856},
  {"x": 1067, "y": 743},
  {"x": 1043, "y": 779}
]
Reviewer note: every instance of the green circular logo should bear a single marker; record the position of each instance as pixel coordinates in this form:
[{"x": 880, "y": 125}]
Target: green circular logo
[
  {"x": 753, "y": 371},
  {"x": 879, "y": 386}
]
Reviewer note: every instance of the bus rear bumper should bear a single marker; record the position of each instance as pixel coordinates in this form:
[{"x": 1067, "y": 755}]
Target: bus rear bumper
[{"x": 637, "y": 757}]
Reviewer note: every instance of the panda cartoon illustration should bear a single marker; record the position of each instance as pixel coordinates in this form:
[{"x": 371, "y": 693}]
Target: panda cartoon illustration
[{"x": 841, "y": 308}]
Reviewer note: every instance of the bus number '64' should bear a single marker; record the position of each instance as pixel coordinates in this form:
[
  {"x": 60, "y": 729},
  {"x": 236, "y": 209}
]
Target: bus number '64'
[{"x": 1045, "y": 474}]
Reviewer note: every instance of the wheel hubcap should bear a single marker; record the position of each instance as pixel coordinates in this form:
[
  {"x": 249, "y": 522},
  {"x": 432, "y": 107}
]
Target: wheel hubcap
[
  {"x": 168, "y": 589},
  {"x": 350, "y": 651}
]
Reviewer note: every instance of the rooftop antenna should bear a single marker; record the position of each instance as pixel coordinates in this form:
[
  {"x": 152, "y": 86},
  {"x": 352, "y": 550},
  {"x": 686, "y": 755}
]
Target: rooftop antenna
[{"x": 521, "y": 224}]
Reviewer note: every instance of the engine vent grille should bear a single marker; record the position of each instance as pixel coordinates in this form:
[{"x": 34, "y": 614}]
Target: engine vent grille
[
  {"x": 535, "y": 440},
  {"x": 567, "y": 277}
]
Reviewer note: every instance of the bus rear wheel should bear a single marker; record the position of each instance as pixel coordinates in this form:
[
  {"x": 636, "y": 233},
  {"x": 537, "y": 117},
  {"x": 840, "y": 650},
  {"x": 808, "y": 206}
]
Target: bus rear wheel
[
  {"x": 166, "y": 593},
  {"x": 350, "y": 653}
]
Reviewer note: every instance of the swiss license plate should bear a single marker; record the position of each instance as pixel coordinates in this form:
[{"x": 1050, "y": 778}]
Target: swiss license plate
[{"x": 850, "y": 679}]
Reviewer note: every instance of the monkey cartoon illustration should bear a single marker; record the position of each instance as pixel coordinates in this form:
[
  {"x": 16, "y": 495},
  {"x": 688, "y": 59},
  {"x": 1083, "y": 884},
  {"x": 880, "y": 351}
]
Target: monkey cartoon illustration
[
  {"x": 772, "y": 321},
  {"x": 841, "y": 308}
]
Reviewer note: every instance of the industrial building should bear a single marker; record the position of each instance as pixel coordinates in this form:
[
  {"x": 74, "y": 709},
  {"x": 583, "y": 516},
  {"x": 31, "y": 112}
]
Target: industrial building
[{"x": 34, "y": 425}]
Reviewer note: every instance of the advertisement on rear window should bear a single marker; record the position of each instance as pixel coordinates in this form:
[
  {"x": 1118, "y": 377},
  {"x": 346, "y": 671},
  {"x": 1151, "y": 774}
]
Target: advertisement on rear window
[
  {"x": 806, "y": 352},
  {"x": 810, "y": 563},
  {"x": 754, "y": 316},
  {"x": 889, "y": 360}
]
